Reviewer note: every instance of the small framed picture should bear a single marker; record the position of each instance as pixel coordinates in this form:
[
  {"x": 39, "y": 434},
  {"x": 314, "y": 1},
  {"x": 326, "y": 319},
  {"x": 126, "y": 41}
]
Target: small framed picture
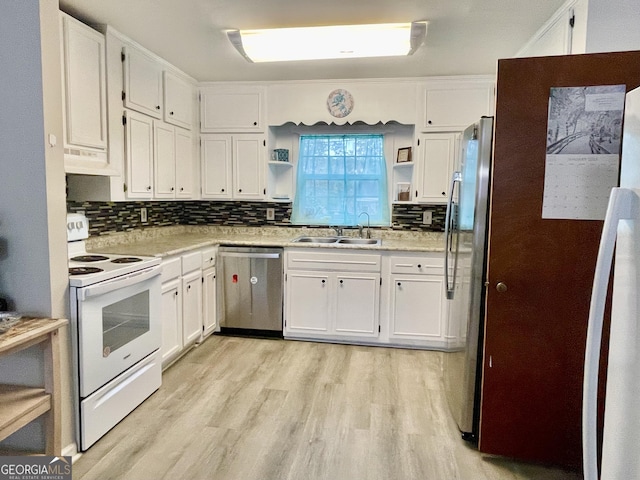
[{"x": 404, "y": 155}]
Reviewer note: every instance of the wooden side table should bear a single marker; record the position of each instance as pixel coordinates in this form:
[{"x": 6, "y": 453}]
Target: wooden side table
[{"x": 20, "y": 405}]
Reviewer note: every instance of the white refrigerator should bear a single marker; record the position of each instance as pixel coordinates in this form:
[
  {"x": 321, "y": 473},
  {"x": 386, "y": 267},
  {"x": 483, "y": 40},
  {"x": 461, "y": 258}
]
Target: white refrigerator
[{"x": 621, "y": 234}]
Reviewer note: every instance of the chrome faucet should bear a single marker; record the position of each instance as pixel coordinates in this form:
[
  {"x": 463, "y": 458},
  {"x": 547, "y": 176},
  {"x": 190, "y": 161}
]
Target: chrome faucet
[{"x": 368, "y": 225}]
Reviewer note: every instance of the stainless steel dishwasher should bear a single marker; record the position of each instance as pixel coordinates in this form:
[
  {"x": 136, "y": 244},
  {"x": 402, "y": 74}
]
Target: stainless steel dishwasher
[{"x": 250, "y": 290}]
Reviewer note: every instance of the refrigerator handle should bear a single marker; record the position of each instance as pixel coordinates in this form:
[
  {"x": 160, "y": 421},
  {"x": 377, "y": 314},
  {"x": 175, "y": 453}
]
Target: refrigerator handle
[
  {"x": 621, "y": 207},
  {"x": 448, "y": 232}
]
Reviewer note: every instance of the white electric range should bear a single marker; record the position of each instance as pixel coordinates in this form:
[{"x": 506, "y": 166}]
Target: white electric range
[{"x": 116, "y": 330}]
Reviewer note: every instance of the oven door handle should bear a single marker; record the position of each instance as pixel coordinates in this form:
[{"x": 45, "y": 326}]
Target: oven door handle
[{"x": 119, "y": 282}]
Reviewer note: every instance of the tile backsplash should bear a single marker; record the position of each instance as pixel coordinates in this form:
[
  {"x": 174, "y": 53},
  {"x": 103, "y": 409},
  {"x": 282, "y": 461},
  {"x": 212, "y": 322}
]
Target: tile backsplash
[{"x": 108, "y": 217}]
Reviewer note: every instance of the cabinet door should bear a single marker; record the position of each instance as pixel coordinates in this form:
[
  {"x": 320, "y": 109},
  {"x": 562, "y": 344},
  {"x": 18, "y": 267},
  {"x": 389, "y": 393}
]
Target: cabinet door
[
  {"x": 171, "y": 320},
  {"x": 455, "y": 107},
  {"x": 216, "y": 166},
  {"x": 357, "y": 304},
  {"x": 85, "y": 85},
  {"x": 307, "y": 303},
  {"x": 248, "y": 166},
  {"x": 184, "y": 163},
  {"x": 178, "y": 100},
  {"x": 209, "y": 314},
  {"x": 232, "y": 110},
  {"x": 164, "y": 161},
  {"x": 142, "y": 82},
  {"x": 417, "y": 307},
  {"x": 437, "y": 157},
  {"x": 191, "y": 307},
  {"x": 139, "y": 155}
]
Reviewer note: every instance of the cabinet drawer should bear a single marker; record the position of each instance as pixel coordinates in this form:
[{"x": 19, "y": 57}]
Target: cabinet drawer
[
  {"x": 209, "y": 257},
  {"x": 191, "y": 261},
  {"x": 423, "y": 264},
  {"x": 344, "y": 262},
  {"x": 171, "y": 268}
]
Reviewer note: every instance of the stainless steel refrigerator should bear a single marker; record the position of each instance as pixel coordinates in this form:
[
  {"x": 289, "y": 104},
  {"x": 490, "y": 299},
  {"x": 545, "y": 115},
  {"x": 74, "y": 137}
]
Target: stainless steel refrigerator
[{"x": 465, "y": 272}]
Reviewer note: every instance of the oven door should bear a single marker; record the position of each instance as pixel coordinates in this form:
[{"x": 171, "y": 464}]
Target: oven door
[{"x": 119, "y": 323}]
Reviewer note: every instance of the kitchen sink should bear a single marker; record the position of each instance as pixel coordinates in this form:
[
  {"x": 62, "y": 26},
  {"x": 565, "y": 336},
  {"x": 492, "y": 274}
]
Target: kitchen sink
[
  {"x": 315, "y": 239},
  {"x": 360, "y": 241},
  {"x": 338, "y": 240}
]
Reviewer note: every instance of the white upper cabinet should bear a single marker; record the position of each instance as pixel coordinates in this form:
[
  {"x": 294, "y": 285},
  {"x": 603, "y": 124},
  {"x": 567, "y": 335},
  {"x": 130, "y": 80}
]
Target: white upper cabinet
[
  {"x": 232, "y": 109},
  {"x": 142, "y": 82},
  {"x": 436, "y": 158},
  {"x": 184, "y": 163},
  {"x": 139, "y": 149},
  {"x": 454, "y": 105},
  {"x": 178, "y": 100},
  {"x": 85, "y": 98},
  {"x": 164, "y": 161},
  {"x": 233, "y": 166}
]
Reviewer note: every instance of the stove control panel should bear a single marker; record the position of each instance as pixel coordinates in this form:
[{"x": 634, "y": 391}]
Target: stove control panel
[{"x": 77, "y": 227}]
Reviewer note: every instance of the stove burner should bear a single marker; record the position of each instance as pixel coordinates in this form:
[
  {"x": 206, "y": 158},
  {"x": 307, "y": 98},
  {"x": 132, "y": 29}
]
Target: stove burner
[
  {"x": 126, "y": 260},
  {"x": 84, "y": 270},
  {"x": 90, "y": 258}
]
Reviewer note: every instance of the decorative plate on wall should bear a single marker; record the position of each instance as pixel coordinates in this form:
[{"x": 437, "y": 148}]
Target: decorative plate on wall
[{"x": 340, "y": 103}]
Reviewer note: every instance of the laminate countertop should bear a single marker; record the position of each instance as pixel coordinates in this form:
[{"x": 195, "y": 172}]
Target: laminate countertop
[{"x": 168, "y": 241}]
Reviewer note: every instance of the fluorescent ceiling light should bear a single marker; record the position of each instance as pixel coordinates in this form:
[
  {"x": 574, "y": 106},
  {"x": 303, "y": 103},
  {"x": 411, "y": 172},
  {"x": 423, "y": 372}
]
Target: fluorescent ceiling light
[{"x": 318, "y": 43}]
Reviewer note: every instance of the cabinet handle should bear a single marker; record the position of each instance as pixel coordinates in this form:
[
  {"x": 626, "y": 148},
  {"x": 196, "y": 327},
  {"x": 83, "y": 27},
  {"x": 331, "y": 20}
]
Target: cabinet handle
[
  {"x": 176, "y": 294},
  {"x": 416, "y": 193}
]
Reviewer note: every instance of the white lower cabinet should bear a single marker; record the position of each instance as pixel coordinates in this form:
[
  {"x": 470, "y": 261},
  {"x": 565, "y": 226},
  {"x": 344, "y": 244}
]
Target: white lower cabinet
[
  {"x": 188, "y": 301},
  {"x": 191, "y": 307},
  {"x": 331, "y": 295},
  {"x": 417, "y": 303},
  {"x": 368, "y": 298},
  {"x": 307, "y": 303},
  {"x": 171, "y": 320}
]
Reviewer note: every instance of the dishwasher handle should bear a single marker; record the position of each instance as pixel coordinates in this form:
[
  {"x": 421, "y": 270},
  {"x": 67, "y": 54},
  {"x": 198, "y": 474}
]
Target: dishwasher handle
[{"x": 249, "y": 255}]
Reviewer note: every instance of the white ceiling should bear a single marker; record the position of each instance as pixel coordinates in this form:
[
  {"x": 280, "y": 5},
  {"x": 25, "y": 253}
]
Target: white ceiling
[{"x": 463, "y": 36}]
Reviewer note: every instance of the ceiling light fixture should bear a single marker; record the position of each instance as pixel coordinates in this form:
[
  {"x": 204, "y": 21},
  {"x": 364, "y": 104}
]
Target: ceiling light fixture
[{"x": 318, "y": 43}]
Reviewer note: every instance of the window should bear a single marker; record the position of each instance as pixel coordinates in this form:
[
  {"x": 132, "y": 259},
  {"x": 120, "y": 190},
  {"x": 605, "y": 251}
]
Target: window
[{"x": 339, "y": 177}]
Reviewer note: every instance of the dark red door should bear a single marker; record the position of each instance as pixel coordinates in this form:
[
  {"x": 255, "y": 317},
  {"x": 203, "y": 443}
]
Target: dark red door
[{"x": 535, "y": 331}]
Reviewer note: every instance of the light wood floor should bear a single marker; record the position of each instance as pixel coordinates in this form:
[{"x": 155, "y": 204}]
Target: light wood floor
[{"x": 253, "y": 409}]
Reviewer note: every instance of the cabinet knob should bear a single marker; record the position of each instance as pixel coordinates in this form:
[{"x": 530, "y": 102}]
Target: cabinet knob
[
  {"x": 149, "y": 188},
  {"x": 170, "y": 113},
  {"x": 399, "y": 284},
  {"x": 172, "y": 189},
  {"x": 341, "y": 281},
  {"x": 239, "y": 190},
  {"x": 323, "y": 281},
  {"x": 501, "y": 287},
  {"x": 188, "y": 287},
  {"x": 255, "y": 123},
  {"x": 182, "y": 189},
  {"x": 429, "y": 122},
  {"x": 176, "y": 294},
  {"x": 157, "y": 107},
  {"x": 419, "y": 265},
  {"x": 444, "y": 194}
]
